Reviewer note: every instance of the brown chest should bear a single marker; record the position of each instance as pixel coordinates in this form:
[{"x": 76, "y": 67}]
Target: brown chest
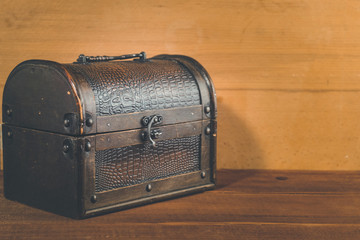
[{"x": 96, "y": 136}]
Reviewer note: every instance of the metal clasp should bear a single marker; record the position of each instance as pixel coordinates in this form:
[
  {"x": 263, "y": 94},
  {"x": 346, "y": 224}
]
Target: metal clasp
[{"x": 151, "y": 134}]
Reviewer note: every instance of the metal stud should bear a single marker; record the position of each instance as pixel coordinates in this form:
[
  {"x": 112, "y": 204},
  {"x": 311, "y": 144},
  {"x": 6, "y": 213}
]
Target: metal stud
[
  {"x": 67, "y": 122},
  {"x": 207, "y": 131},
  {"x": 87, "y": 146},
  {"x": 66, "y": 148},
  {"x": 148, "y": 187},
  {"x": 203, "y": 174},
  {"x": 207, "y": 109},
  {"x": 89, "y": 122},
  {"x": 9, "y": 112},
  {"x": 9, "y": 134},
  {"x": 93, "y": 199}
]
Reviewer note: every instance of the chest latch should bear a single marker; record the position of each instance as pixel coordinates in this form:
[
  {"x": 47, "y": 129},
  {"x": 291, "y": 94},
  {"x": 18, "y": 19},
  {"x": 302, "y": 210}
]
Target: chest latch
[{"x": 151, "y": 134}]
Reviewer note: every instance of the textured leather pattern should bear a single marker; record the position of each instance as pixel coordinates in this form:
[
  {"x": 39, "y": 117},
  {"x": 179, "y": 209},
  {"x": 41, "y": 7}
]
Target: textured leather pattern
[
  {"x": 135, "y": 86},
  {"x": 120, "y": 167}
]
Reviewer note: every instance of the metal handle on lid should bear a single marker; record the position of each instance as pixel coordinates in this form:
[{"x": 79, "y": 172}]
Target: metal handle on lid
[{"x": 88, "y": 59}]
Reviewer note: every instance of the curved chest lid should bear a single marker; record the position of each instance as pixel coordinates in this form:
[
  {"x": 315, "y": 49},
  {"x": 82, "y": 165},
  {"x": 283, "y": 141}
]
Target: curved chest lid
[{"x": 80, "y": 99}]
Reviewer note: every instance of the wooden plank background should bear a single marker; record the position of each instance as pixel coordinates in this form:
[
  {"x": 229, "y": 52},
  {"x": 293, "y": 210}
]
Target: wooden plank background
[{"x": 286, "y": 71}]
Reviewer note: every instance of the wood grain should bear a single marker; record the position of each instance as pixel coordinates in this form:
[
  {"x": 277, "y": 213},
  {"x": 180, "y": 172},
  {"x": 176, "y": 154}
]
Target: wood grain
[
  {"x": 286, "y": 71},
  {"x": 274, "y": 129},
  {"x": 248, "y": 204}
]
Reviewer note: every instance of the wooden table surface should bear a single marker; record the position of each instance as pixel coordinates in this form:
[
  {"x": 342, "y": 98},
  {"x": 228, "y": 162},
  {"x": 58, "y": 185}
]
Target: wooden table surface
[{"x": 247, "y": 204}]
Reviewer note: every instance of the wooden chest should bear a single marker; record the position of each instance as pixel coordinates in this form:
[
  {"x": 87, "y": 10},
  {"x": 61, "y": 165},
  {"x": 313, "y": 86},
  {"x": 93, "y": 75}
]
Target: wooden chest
[{"x": 100, "y": 135}]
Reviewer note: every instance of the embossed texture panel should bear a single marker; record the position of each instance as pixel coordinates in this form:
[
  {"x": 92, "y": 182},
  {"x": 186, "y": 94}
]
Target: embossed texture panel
[
  {"x": 120, "y": 167},
  {"x": 134, "y": 86}
]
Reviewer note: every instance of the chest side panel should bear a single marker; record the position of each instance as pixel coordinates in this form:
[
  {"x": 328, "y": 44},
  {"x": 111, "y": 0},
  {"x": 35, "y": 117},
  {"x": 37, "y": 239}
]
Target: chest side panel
[
  {"x": 39, "y": 95},
  {"x": 127, "y": 87}
]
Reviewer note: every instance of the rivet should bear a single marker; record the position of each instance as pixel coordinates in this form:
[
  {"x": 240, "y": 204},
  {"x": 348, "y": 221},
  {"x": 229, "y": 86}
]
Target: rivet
[
  {"x": 148, "y": 187},
  {"x": 145, "y": 121},
  {"x": 203, "y": 174},
  {"x": 89, "y": 122},
  {"x": 207, "y": 130},
  {"x": 66, "y": 148},
  {"x": 87, "y": 146},
  {"x": 9, "y": 112},
  {"x": 93, "y": 199},
  {"x": 207, "y": 109},
  {"x": 67, "y": 122},
  {"x": 9, "y": 134}
]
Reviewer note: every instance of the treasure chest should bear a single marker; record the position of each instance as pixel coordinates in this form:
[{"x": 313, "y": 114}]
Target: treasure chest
[{"x": 107, "y": 133}]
